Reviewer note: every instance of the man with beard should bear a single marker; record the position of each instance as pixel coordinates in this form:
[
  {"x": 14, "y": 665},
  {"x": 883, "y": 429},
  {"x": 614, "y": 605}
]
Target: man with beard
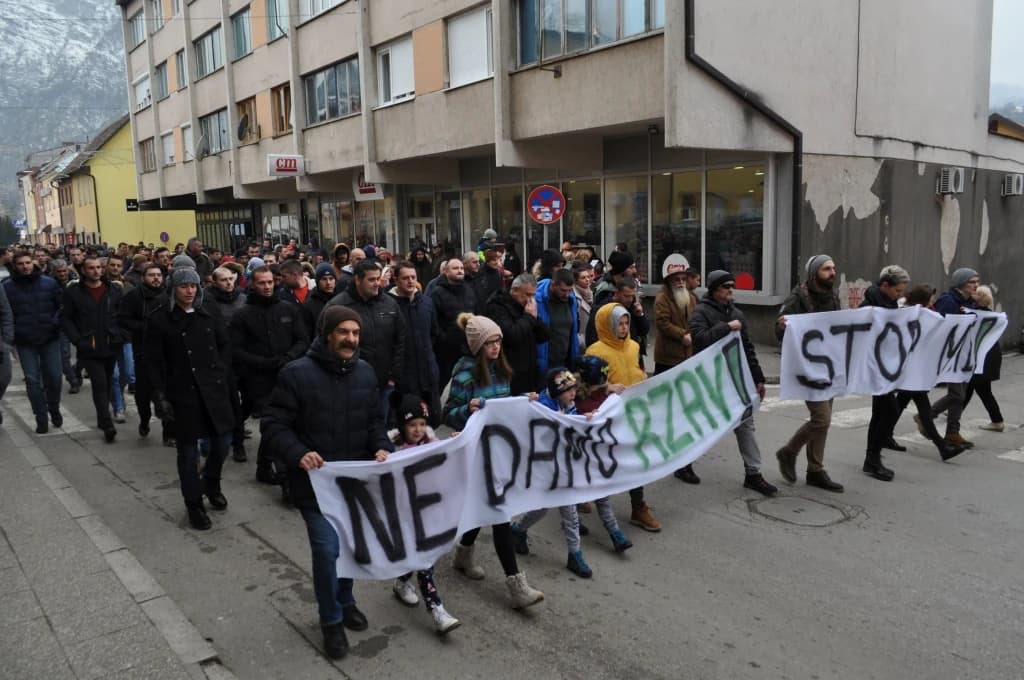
[
  {"x": 89, "y": 319},
  {"x": 451, "y": 297},
  {"x": 266, "y": 334},
  {"x": 228, "y": 299},
  {"x": 326, "y": 407},
  {"x": 295, "y": 287},
  {"x": 324, "y": 278},
  {"x": 190, "y": 356},
  {"x": 138, "y": 306},
  {"x": 421, "y": 261},
  {"x": 673, "y": 308},
  {"x": 556, "y": 309},
  {"x": 162, "y": 256},
  {"x": 816, "y": 294},
  {"x": 62, "y": 274},
  {"x": 515, "y": 312},
  {"x": 714, "y": 318},
  {"x": 35, "y": 301},
  {"x": 885, "y": 409}
]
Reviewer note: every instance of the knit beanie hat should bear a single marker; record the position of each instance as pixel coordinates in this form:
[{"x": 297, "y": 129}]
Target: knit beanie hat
[
  {"x": 962, "y": 276},
  {"x": 371, "y": 252},
  {"x": 182, "y": 261},
  {"x": 619, "y": 262},
  {"x": 593, "y": 370},
  {"x": 411, "y": 407},
  {"x": 718, "y": 278},
  {"x": 323, "y": 269},
  {"x": 550, "y": 259},
  {"x": 814, "y": 264},
  {"x": 138, "y": 259},
  {"x": 490, "y": 234},
  {"x": 334, "y": 315},
  {"x": 617, "y": 313},
  {"x": 180, "y": 277},
  {"x": 559, "y": 380},
  {"x": 255, "y": 262},
  {"x": 478, "y": 330}
]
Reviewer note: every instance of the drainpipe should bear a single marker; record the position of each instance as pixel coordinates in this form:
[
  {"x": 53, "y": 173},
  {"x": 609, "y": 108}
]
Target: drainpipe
[{"x": 753, "y": 102}]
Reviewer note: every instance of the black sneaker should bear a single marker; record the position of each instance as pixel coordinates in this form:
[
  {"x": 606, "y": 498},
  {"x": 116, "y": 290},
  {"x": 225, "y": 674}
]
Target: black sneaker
[
  {"x": 335, "y": 641},
  {"x": 56, "y": 417},
  {"x": 759, "y": 484},
  {"x": 238, "y": 453},
  {"x": 75, "y": 388},
  {"x": 109, "y": 434},
  {"x": 265, "y": 475},
  {"x": 42, "y": 427},
  {"x": 197, "y": 517},
  {"x": 947, "y": 450},
  {"x": 353, "y": 618},
  {"x": 787, "y": 465},
  {"x": 687, "y": 475},
  {"x": 892, "y": 445},
  {"x": 144, "y": 428},
  {"x": 877, "y": 470}
]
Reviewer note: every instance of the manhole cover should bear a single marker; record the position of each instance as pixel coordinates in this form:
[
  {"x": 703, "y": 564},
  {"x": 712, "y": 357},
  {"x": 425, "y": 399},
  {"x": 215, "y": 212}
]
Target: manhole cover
[{"x": 806, "y": 512}]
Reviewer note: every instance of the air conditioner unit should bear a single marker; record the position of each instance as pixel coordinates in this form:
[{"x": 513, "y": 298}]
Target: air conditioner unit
[
  {"x": 950, "y": 181},
  {"x": 1013, "y": 184}
]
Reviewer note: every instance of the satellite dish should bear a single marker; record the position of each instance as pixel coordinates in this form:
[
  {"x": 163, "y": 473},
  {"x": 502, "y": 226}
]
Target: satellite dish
[{"x": 243, "y": 127}]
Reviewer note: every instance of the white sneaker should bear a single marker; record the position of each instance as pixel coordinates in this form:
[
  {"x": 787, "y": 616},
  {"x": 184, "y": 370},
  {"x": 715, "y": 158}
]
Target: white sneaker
[
  {"x": 993, "y": 427},
  {"x": 405, "y": 591},
  {"x": 119, "y": 417},
  {"x": 444, "y": 622}
]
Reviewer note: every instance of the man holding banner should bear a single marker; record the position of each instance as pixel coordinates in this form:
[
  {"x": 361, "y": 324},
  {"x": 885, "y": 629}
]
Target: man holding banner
[
  {"x": 816, "y": 294},
  {"x": 326, "y": 406},
  {"x": 713, "y": 319},
  {"x": 885, "y": 409}
]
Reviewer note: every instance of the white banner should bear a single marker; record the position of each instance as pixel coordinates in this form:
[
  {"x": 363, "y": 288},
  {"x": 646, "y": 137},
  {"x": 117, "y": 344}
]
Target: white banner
[
  {"x": 872, "y": 350},
  {"x": 515, "y": 455}
]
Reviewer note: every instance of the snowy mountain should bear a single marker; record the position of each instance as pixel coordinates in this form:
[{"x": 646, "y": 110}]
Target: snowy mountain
[{"x": 61, "y": 78}]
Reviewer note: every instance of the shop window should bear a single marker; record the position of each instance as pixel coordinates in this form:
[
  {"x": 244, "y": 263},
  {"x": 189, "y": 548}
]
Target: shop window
[
  {"x": 508, "y": 212},
  {"x": 395, "y": 72},
  {"x": 676, "y": 225},
  {"x": 469, "y": 47},
  {"x": 581, "y": 223},
  {"x": 625, "y": 215},
  {"x": 477, "y": 213},
  {"x": 735, "y": 224}
]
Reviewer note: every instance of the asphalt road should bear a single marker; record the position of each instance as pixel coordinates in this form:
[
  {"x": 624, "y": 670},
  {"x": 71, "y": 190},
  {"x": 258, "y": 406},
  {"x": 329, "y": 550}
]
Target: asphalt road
[{"x": 917, "y": 578}]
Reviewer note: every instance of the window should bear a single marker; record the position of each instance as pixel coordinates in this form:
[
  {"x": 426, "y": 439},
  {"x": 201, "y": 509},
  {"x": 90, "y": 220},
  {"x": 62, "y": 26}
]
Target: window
[
  {"x": 136, "y": 30},
  {"x": 160, "y": 90},
  {"x": 188, "y": 143},
  {"x": 332, "y": 92},
  {"x": 550, "y": 28},
  {"x": 147, "y": 155},
  {"x": 247, "y": 114},
  {"x": 209, "y": 52},
  {"x": 677, "y": 215},
  {"x": 156, "y": 14},
  {"x": 281, "y": 103},
  {"x": 181, "y": 68},
  {"x": 241, "y": 29},
  {"x": 469, "y": 47},
  {"x": 625, "y": 216},
  {"x": 394, "y": 72},
  {"x": 214, "y": 134},
  {"x": 735, "y": 224},
  {"x": 175, "y": 7},
  {"x": 277, "y": 19},
  {"x": 313, "y": 7},
  {"x": 167, "y": 148},
  {"x": 143, "y": 95}
]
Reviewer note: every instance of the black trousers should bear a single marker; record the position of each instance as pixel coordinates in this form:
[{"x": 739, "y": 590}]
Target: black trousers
[
  {"x": 503, "y": 545},
  {"x": 924, "y": 412},
  {"x": 101, "y": 374},
  {"x": 983, "y": 386},
  {"x": 885, "y": 413}
]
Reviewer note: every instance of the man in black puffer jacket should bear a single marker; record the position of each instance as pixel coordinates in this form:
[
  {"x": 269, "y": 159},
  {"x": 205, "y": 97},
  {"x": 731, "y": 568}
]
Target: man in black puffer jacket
[
  {"x": 89, "y": 319},
  {"x": 515, "y": 312},
  {"x": 714, "y": 318},
  {"x": 326, "y": 406},
  {"x": 266, "y": 334},
  {"x": 35, "y": 302},
  {"x": 451, "y": 296},
  {"x": 138, "y": 306}
]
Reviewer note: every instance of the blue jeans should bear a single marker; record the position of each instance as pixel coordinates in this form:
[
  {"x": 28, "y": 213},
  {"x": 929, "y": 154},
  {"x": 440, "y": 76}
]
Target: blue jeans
[
  {"x": 41, "y": 366},
  {"x": 192, "y": 486},
  {"x": 65, "y": 361},
  {"x": 332, "y": 593},
  {"x": 122, "y": 375}
]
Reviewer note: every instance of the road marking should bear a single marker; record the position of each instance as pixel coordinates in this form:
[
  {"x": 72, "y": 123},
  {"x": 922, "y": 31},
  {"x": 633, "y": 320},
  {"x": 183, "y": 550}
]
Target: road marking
[
  {"x": 1016, "y": 456},
  {"x": 23, "y": 409}
]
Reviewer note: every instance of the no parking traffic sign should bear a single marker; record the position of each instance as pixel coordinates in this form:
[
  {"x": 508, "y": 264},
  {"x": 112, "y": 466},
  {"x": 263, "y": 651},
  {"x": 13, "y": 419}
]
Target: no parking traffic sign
[{"x": 545, "y": 204}]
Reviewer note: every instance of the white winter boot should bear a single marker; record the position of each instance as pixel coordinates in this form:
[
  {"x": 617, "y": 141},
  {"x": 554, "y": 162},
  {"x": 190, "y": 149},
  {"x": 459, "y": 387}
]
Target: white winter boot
[
  {"x": 464, "y": 562},
  {"x": 444, "y": 622},
  {"x": 405, "y": 591},
  {"x": 521, "y": 592}
]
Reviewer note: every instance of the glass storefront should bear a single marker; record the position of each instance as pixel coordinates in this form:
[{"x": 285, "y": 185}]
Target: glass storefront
[
  {"x": 735, "y": 224},
  {"x": 676, "y": 218},
  {"x": 581, "y": 223},
  {"x": 227, "y": 228},
  {"x": 625, "y": 218}
]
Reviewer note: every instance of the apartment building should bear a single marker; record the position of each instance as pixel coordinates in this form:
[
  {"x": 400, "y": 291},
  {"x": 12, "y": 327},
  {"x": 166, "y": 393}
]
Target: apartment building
[{"x": 744, "y": 135}]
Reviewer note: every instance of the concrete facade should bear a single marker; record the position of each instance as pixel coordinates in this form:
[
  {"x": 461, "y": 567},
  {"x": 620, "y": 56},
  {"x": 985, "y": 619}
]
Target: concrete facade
[{"x": 883, "y": 97}]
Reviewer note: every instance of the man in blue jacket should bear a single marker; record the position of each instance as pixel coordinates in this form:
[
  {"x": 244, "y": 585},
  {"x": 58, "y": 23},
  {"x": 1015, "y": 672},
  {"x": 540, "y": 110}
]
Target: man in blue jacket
[
  {"x": 35, "y": 301},
  {"x": 558, "y": 310},
  {"x": 326, "y": 406}
]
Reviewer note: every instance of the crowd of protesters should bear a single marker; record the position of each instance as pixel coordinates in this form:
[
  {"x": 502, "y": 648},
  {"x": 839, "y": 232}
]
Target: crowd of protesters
[{"x": 354, "y": 353}]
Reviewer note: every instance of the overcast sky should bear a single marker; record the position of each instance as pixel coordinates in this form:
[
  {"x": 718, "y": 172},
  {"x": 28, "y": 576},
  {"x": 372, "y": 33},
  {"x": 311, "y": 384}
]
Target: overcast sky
[{"x": 1008, "y": 42}]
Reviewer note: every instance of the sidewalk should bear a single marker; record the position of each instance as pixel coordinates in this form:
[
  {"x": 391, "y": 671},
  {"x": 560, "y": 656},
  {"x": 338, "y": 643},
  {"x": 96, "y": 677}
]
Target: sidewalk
[{"x": 74, "y": 602}]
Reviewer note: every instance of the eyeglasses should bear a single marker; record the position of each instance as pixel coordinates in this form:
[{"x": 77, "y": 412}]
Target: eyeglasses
[{"x": 492, "y": 343}]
